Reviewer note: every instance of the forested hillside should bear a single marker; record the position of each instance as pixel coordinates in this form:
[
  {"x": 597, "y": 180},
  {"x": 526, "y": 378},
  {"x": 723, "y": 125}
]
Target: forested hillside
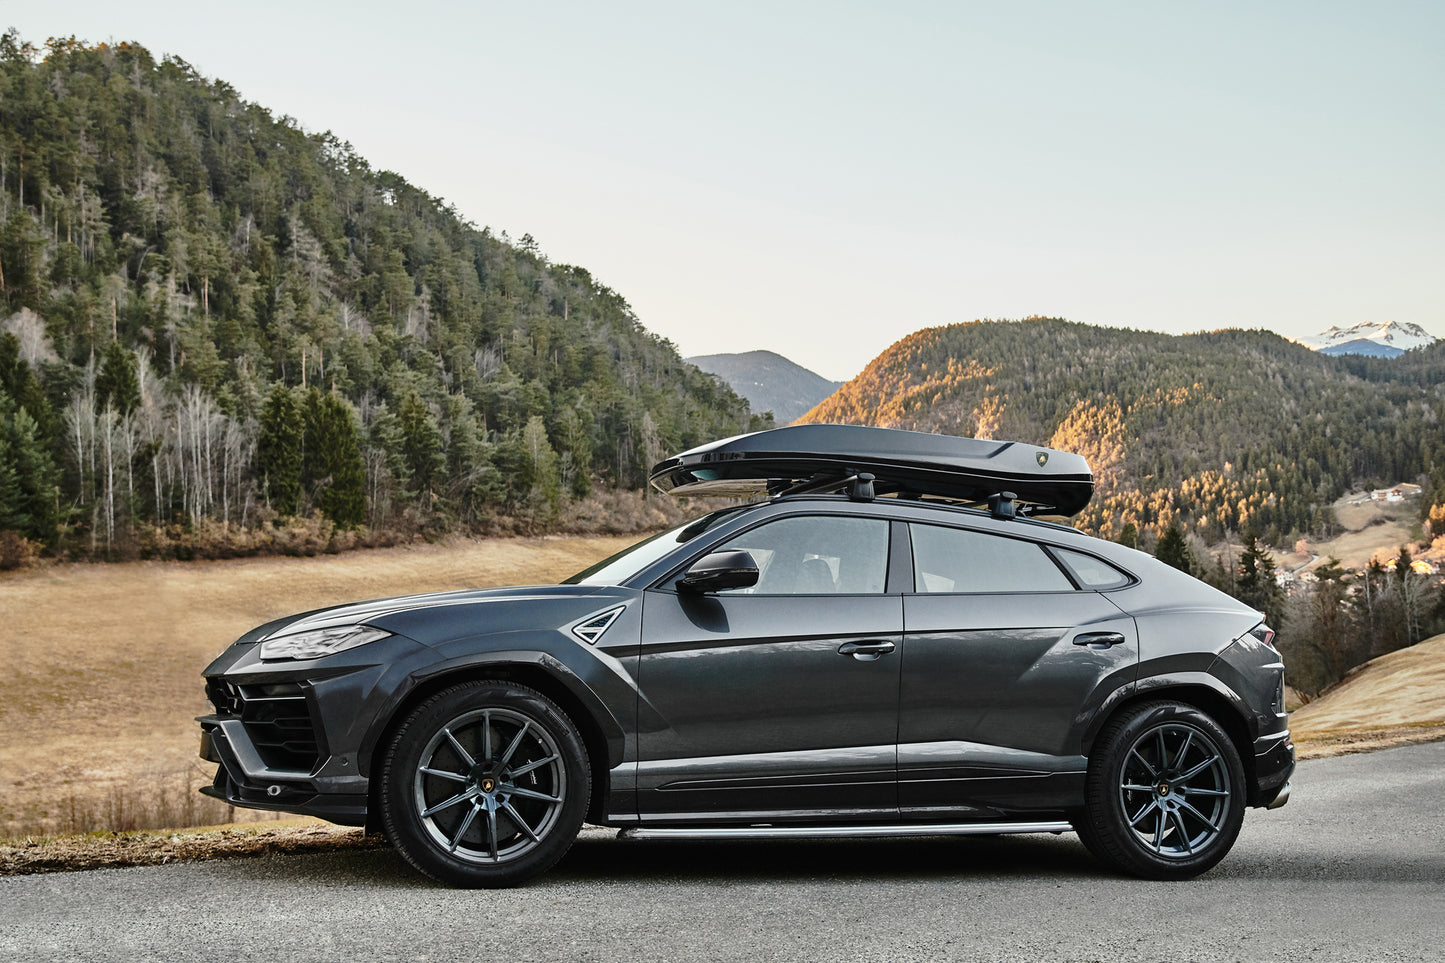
[
  {"x": 1219, "y": 433},
  {"x": 213, "y": 318}
]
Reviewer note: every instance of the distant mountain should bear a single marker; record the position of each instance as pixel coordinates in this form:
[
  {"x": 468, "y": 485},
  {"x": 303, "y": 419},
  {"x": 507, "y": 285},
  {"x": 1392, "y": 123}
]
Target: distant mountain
[
  {"x": 769, "y": 382},
  {"x": 1375, "y": 339},
  {"x": 1221, "y": 431}
]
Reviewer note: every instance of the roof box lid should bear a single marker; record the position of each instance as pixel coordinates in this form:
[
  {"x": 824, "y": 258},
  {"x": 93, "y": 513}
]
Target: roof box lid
[{"x": 902, "y": 462}]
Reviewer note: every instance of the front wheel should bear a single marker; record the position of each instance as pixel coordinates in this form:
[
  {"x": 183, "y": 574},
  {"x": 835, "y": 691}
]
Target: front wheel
[
  {"x": 1165, "y": 792},
  {"x": 484, "y": 784}
]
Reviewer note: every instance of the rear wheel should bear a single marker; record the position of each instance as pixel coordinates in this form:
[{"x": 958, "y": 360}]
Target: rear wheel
[
  {"x": 1165, "y": 792},
  {"x": 484, "y": 784}
]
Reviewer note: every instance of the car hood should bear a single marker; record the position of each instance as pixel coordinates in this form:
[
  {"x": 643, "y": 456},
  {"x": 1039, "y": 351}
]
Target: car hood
[{"x": 438, "y": 616}]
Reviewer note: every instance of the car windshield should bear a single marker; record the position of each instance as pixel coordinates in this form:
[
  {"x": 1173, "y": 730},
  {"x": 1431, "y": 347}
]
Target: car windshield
[{"x": 633, "y": 559}]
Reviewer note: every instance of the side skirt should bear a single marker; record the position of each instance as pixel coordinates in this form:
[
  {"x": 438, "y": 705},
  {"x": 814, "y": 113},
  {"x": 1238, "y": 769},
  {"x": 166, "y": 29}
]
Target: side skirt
[{"x": 843, "y": 832}]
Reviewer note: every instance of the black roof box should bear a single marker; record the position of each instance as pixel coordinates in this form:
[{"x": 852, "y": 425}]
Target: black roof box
[{"x": 903, "y": 462}]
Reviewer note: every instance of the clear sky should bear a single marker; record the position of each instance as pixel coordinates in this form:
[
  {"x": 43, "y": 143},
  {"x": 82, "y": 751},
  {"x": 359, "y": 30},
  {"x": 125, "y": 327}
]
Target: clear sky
[{"x": 822, "y": 178}]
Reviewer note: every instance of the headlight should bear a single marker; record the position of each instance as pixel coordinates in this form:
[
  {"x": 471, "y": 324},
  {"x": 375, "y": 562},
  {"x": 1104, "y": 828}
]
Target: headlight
[{"x": 319, "y": 642}]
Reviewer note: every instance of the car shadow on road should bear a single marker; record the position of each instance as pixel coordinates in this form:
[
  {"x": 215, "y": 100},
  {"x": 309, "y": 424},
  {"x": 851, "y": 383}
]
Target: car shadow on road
[{"x": 599, "y": 857}]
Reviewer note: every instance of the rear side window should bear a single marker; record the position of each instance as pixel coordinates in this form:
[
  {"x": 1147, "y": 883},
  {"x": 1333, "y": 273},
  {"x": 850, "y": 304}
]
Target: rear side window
[
  {"x": 958, "y": 560},
  {"x": 1090, "y": 572}
]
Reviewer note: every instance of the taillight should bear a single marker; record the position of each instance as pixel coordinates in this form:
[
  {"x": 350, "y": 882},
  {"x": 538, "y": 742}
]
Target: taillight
[{"x": 1264, "y": 633}]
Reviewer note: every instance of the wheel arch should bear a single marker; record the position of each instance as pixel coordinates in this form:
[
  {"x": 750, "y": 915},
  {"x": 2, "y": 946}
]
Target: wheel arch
[
  {"x": 601, "y": 741},
  {"x": 1219, "y": 706}
]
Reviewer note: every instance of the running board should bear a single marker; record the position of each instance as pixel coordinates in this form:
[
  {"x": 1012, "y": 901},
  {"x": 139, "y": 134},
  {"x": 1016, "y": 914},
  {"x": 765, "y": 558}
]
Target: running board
[{"x": 842, "y": 832}]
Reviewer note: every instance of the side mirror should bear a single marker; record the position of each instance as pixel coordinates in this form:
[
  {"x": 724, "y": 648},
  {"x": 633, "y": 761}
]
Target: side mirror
[{"x": 720, "y": 570}]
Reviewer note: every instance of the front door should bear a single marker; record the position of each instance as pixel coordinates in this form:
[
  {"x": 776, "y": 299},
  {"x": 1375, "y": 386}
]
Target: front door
[{"x": 757, "y": 703}]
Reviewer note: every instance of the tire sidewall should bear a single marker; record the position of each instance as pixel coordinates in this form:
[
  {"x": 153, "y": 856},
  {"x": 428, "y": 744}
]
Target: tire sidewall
[{"x": 399, "y": 814}]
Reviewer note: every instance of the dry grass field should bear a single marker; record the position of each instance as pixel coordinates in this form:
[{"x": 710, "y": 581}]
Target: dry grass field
[
  {"x": 102, "y": 663},
  {"x": 1394, "y": 699},
  {"x": 1370, "y": 528}
]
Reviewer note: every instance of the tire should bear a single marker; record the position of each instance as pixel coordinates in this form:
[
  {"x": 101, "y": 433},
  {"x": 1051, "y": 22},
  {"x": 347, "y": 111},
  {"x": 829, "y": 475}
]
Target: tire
[
  {"x": 1164, "y": 795},
  {"x": 484, "y": 785}
]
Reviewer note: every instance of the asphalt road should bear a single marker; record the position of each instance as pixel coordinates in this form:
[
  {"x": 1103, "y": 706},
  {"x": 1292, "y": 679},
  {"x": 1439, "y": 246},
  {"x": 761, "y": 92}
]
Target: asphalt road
[{"x": 1352, "y": 869}]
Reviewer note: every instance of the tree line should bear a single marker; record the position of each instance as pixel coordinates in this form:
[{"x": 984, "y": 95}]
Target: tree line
[
  {"x": 1218, "y": 432},
  {"x": 213, "y": 317}
]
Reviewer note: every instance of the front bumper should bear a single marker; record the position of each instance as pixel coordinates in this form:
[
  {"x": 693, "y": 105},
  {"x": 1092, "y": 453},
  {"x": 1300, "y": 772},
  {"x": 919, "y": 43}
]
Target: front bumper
[
  {"x": 244, "y": 779},
  {"x": 287, "y": 735}
]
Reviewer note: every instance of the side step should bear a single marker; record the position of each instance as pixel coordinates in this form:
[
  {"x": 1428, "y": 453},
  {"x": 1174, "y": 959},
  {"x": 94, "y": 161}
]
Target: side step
[{"x": 842, "y": 832}]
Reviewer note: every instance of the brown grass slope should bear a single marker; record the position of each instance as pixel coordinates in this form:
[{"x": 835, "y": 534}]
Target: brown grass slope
[
  {"x": 102, "y": 665},
  {"x": 1391, "y": 700}
]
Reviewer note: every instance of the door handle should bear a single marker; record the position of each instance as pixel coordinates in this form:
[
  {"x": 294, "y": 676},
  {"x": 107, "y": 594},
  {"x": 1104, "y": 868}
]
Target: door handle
[
  {"x": 1099, "y": 640},
  {"x": 865, "y": 651}
]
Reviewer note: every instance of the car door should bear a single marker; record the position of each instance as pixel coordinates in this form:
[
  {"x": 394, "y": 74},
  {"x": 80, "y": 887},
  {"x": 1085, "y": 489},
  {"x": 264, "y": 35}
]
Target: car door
[
  {"x": 779, "y": 700},
  {"x": 1008, "y": 646}
]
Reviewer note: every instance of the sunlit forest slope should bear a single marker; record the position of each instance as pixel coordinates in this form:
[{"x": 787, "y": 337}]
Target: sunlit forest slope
[
  {"x": 212, "y": 317},
  {"x": 1216, "y": 432}
]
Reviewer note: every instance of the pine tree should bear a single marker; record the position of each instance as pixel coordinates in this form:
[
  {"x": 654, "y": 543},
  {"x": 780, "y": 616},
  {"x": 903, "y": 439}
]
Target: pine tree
[
  {"x": 333, "y": 460},
  {"x": 279, "y": 451},
  {"x": 1173, "y": 550},
  {"x": 27, "y": 476},
  {"x": 117, "y": 384},
  {"x": 1129, "y": 535},
  {"x": 541, "y": 469},
  {"x": 422, "y": 445},
  {"x": 1257, "y": 585}
]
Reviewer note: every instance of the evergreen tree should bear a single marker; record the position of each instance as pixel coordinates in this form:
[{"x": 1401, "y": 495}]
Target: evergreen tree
[
  {"x": 422, "y": 445},
  {"x": 27, "y": 476},
  {"x": 1174, "y": 550},
  {"x": 279, "y": 450},
  {"x": 117, "y": 384},
  {"x": 544, "y": 488},
  {"x": 333, "y": 460},
  {"x": 1257, "y": 585},
  {"x": 1403, "y": 563},
  {"x": 1129, "y": 535}
]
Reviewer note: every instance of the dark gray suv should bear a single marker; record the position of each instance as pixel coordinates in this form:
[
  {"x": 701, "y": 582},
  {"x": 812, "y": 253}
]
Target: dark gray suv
[{"x": 888, "y": 644}]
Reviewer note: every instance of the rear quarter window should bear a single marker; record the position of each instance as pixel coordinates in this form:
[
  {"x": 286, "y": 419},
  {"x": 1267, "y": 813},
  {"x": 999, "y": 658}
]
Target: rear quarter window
[{"x": 1091, "y": 572}]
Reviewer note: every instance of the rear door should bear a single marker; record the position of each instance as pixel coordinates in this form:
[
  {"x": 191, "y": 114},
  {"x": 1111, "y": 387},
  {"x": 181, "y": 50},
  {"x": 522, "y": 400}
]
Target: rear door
[
  {"x": 1008, "y": 647},
  {"x": 777, "y": 701}
]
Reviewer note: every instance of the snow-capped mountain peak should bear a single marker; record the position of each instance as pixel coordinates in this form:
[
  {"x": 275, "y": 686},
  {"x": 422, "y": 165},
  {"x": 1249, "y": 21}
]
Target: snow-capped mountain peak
[{"x": 1387, "y": 338}]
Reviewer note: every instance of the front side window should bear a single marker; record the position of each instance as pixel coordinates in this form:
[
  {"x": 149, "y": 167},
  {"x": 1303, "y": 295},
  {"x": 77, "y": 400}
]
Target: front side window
[
  {"x": 957, "y": 560},
  {"x": 816, "y": 555},
  {"x": 633, "y": 559}
]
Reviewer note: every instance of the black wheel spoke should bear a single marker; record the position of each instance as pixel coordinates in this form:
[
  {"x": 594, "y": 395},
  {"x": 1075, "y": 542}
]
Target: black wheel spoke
[
  {"x": 512, "y": 747},
  {"x": 1199, "y": 815},
  {"x": 1153, "y": 773},
  {"x": 449, "y": 803},
  {"x": 1185, "y": 777},
  {"x": 1184, "y": 749},
  {"x": 1183, "y": 833},
  {"x": 466, "y": 824},
  {"x": 523, "y": 770},
  {"x": 521, "y": 823},
  {"x": 466, "y": 756},
  {"x": 453, "y": 776},
  {"x": 1148, "y": 808}
]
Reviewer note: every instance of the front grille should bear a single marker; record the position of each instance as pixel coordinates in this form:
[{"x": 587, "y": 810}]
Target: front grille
[{"x": 277, "y": 719}]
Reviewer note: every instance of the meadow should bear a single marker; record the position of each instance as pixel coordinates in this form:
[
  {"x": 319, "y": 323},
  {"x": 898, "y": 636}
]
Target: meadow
[{"x": 102, "y": 663}]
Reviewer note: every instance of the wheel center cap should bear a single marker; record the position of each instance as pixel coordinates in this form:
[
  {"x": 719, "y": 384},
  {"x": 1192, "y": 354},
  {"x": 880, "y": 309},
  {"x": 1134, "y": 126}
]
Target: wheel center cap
[
  {"x": 488, "y": 784},
  {"x": 1163, "y": 789}
]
